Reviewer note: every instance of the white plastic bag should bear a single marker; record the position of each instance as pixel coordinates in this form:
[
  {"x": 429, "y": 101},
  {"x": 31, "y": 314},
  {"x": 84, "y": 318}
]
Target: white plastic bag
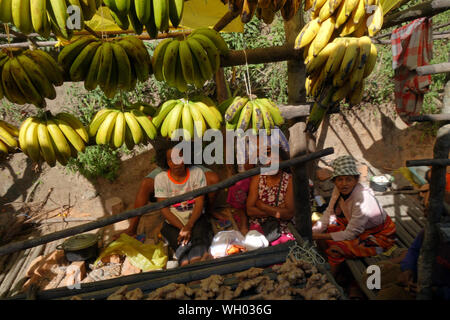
[
  {"x": 255, "y": 240},
  {"x": 222, "y": 240}
]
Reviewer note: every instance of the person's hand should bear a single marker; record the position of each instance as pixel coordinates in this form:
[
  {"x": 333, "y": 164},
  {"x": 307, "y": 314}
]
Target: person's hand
[
  {"x": 259, "y": 204},
  {"x": 277, "y": 215},
  {"x": 405, "y": 277},
  {"x": 185, "y": 235}
]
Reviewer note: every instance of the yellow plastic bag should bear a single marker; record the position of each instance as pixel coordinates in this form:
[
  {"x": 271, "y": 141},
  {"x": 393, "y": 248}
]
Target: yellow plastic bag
[{"x": 143, "y": 256}]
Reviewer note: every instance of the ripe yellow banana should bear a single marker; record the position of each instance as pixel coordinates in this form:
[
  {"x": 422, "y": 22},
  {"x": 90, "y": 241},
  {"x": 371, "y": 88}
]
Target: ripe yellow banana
[
  {"x": 70, "y": 135},
  {"x": 23, "y": 133},
  {"x": 323, "y": 36},
  {"x": 145, "y": 123},
  {"x": 318, "y": 61},
  {"x": 376, "y": 21},
  {"x": 199, "y": 121},
  {"x": 45, "y": 145},
  {"x": 75, "y": 124},
  {"x": 135, "y": 129},
  {"x": 31, "y": 140},
  {"x": 119, "y": 130},
  {"x": 60, "y": 141},
  {"x": 8, "y": 138},
  {"x": 350, "y": 6},
  {"x": 308, "y": 33},
  {"x": 106, "y": 129},
  {"x": 334, "y": 60},
  {"x": 370, "y": 65}
]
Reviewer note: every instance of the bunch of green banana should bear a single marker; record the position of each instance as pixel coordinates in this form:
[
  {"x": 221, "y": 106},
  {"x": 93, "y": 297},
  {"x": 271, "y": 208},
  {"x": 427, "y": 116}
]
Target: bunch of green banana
[
  {"x": 8, "y": 137},
  {"x": 112, "y": 65},
  {"x": 192, "y": 60},
  {"x": 154, "y": 15},
  {"x": 192, "y": 116},
  {"x": 341, "y": 67},
  {"x": 46, "y": 16},
  {"x": 115, "y": 127},
  {"x": 332, "y": 18},
  {"x": 258, "y": 114},
  {"x": 53, "y": 138},
  {"x": 29, "y": 76}
]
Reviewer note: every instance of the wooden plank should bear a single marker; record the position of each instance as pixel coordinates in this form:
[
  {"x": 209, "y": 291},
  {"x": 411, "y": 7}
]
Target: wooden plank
[
  {"x": 295, "y": 111},
  {"x": 21, "y": 278},
  {"x": 358, "y": 269},
  {"x": 443, "y": 67},
  {"x": 12, "y": 274}
]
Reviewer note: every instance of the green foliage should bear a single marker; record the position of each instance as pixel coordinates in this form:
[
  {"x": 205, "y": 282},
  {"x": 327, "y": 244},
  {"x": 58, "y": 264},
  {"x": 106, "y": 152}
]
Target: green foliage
[
  {"x": 268, "y": 80},
  {"x": 96, "y": 161}
]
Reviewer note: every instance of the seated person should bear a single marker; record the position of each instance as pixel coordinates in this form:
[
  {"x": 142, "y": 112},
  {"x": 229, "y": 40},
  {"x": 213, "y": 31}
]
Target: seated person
[
  {"x": 237, "y": 198},
  {"x": 146, "y": 191},
  {"x": 354, "y": 224},
  {"x": 271, "y": 196},
  {"x": 186, "y": 228}
]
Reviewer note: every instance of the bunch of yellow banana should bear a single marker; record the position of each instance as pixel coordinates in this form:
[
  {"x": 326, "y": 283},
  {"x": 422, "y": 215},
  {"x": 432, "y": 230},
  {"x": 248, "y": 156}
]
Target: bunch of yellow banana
[
  {"x": 115, "y": 127},
  {"x": 44, "y": 16},
  {"x": 8, "y": 135},
  {"x": 53, "y": 138},
  {"x": 332, "y": 18},
  {"x": 191, "y": 60},
  {"x": 29, "y": 77},
  {"x": 155, "y": 15},
  {"x": 338, "y": 73},
  {"x": 265, "y": 10},
  {"x": 244, "y": 113},
  {"x": 192, "y": 116},
  {"x": 112, "y": 65}
]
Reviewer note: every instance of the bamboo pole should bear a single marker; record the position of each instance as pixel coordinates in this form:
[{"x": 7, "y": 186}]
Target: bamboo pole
[
  {"x": 20, "y": 245},
  {"x": 433, "y": 69},
  {"x": 430, "y": 117}
]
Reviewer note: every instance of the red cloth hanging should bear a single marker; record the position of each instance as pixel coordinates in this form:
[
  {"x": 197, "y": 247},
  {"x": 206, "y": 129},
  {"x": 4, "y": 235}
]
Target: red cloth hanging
[{"x": 412, "y": 47}]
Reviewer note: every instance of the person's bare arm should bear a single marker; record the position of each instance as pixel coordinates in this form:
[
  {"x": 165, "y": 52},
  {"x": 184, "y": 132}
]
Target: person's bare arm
[
  {"x": 186, "y": 231},
  {"x": 284, "y": 213},
  {"x": 252, "y": 209},
  {"x": 170, "y": 217},
  {"x": 147, "y": 186}
]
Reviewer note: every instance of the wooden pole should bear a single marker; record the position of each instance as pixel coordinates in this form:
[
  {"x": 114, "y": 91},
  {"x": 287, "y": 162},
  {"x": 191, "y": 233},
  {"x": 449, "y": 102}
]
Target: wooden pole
[
  {"x": 298, "y": 141},
  {"x": 430, "y": 245},
  {"x": 433, "y": 69},
  {"x": 20, "y": 245},
  {"x": 431, "y": 117},
  {"x": 425, "y": 9},
  {"x": 428, "y": 162}
]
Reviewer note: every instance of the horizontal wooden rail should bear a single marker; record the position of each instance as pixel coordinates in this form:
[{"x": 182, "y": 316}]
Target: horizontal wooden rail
[
  {"x": 428, "y": 162},
  {"x": 425, "y": 9},
  {"x": 433, "y": 69},
  {"x": 260, "y": 55},
  {"x": 295, "y": 111},
  {"x": 21, "y": 245},
  {"x": 430, "y": 117}
]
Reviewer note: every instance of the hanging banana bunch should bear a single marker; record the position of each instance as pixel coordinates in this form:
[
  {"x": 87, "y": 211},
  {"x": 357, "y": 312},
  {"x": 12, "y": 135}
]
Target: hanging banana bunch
[
  {"x": 192, "y": 116},
  {"x": 8, "y": 137},
  {"x": 115, "y": 127},
  {"x": 338, "y": 52},
  {"x": 53, "y": 138},
  {"x": 61, "y": 17},
  {"x": 258, "y": 114},
  {"x": 29, "y": 76},
  {"x": 154, "y": 15},
  {"x": 112, "y": 65},
  {"x": 191, "y": 60},
  {"x": 265, "y": 10}
]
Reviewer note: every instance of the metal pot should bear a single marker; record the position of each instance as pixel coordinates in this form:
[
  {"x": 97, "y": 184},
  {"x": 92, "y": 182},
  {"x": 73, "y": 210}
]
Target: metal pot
[
  {"x": 81, "y": 247},
  {"x": 381, "y": 186}
]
